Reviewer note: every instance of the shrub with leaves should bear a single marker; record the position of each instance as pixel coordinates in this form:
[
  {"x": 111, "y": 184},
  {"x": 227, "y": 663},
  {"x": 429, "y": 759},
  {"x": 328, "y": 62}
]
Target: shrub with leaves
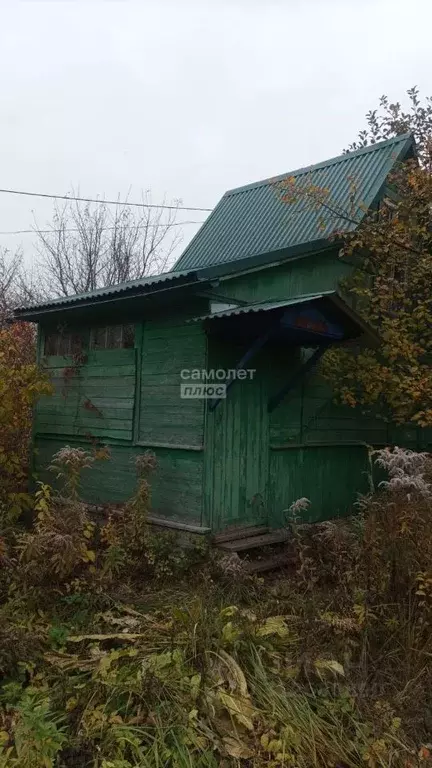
[
  {"x": 21, "y": 383},
  {"x": 59, "y": 547},
  {"x": 126, "y": 534},
  {"x": 398, "y": 522},
  {"x": 38, "y": 733},
  {"x": 132, "y": 549}
]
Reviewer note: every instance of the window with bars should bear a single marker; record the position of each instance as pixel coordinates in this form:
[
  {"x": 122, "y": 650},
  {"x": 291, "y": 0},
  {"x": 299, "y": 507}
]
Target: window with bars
[
  {"x": 62, "y": 343},
  {"x": 113, "y": 337}
]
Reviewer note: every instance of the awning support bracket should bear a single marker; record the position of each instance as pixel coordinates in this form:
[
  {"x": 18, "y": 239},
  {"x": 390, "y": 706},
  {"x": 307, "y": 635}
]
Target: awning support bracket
[
  {"x": 248, "y": 355},
  {"x": 296, "y": 378}
]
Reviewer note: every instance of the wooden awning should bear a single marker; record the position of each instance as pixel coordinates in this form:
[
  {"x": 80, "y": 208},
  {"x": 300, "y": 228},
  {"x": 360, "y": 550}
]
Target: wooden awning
[{"x": 309, "y": 320}]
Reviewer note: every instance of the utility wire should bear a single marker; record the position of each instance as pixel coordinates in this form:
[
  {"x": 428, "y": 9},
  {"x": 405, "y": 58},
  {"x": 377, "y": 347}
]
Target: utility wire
[
  {"x": 104, "y": 202},
  {"x": 75, "y": 229}
]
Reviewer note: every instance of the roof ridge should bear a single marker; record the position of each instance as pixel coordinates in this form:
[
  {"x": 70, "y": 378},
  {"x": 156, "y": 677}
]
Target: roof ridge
[{"x": 323, "y": 164}]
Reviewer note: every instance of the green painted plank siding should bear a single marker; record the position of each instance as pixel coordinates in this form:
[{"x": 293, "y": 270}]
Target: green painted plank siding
[
  {"x": 168, "y": 348},
  {"x": 96, "y": 399},
  {"x": 300, "y": 449},
  {"x": 309, "y": 414},
  {"x": 320, "y": 272},
  {"x": 329, "y": 476},
  {"x": 318, "y": 450},
  {"x": 176, "y": 484}
]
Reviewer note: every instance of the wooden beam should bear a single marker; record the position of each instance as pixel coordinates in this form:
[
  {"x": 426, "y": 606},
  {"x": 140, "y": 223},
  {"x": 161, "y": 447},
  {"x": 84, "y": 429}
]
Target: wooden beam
[
  {"x": 251, "y": 352},
  {"x": 296, "y": 378},
  {"x": 177, "y": 525}
]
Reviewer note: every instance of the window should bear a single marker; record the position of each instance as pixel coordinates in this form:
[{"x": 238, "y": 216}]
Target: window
[
  {"x": 113, "y": 337},
  {"x": 62, "y": 343}
]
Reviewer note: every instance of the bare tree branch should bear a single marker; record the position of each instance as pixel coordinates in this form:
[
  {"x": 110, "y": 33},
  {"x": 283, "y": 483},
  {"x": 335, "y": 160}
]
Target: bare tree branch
[{"x": 90, "y": 246}]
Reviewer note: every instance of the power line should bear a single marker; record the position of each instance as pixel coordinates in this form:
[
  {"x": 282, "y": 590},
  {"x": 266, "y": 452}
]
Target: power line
[
  {"x": 104, "y": 202},
  {"x": 75, "y": 229}
]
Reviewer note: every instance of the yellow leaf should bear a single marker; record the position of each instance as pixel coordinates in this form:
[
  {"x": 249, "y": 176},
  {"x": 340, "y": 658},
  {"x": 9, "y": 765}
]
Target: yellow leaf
[
  {"x": 229, "y": 632},
  {"x": 239, "y": 708},
  {"x": 329, "y": 665},
  {"x": 237, "y": 679},
  {"x": 274, "y": 625},
  {"x": 230, "y": 610},
  {"x": 237, "y": 749},
  {"x": 275, "y": 746}
]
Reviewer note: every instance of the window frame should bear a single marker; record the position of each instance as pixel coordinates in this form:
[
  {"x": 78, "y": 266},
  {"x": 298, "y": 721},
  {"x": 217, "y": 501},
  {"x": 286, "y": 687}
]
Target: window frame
[
  {"x": 107, "y": 329},
  {"x": 59, "y": 338}
]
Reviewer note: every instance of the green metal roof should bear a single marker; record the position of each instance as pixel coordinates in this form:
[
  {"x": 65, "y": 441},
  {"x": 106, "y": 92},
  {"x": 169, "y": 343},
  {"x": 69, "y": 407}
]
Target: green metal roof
[
  {"x": 264, "y": 306},
  {"x": 154, "y": 282},
  {"x": 252, "y": 226},
  {"x": 253, "y": 220}
]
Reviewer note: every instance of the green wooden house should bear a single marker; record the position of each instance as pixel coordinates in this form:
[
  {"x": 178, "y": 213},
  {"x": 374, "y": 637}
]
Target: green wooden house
[{"x": 212, "y": 365}]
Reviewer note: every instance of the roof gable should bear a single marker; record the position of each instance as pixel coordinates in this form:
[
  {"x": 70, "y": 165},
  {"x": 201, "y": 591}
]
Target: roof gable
[{"x": 253, "y": 220}]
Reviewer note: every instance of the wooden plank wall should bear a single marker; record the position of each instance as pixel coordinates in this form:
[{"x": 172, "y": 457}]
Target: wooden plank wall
[
  {"x": 176, "y": 484},
  {"x": 314, "y": 274},
  {"x": 317, "y": 449},
  {"x": 330, "y": 476},
  {"x": 130, "y": 400},
  {"x": 169, "y": 346},
  {"x": 95, "y": 398},
  {"x": 309, "y": 415}
]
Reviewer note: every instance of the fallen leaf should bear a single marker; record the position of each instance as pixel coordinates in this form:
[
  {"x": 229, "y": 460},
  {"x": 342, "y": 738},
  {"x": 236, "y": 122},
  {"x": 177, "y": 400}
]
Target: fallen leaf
[{"x": 237, "y": 749}]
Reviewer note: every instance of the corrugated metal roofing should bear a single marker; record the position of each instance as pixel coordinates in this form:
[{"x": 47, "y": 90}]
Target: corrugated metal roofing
[
  {"x": 253, "y": 220},
  {"x": 264, "y": 306},
  {"x": 113, "y": 290},
  {"x": 333, "y": 296}
]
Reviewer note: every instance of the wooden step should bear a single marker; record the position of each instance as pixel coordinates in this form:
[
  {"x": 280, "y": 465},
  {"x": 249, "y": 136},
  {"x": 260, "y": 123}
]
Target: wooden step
[
  {"x": 240, "y": 533},
  {"x": 252, "y": 542},
  {"x": 268, "y": 564}
]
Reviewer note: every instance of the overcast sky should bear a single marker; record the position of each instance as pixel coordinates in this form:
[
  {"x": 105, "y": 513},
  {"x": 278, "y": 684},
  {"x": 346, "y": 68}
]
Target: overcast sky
[{"x": 191, "y": 97}]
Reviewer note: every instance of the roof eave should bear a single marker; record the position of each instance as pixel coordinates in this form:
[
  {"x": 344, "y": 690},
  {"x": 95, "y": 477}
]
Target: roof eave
[{"x": 33, "y": 314}]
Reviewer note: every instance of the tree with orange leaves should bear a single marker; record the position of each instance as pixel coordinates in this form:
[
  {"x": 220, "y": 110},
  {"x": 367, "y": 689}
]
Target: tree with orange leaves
[
  {"x": 21, "y": 383},
  {"x": 391, "y": 283}
]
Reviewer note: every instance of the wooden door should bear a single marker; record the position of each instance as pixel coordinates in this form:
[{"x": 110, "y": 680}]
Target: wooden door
[{"x": 236, "y": 450}]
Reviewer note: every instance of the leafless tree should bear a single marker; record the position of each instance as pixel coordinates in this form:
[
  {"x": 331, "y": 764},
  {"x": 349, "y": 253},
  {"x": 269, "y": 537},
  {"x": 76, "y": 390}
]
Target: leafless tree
[
  {"x": 17, "y": 286},
  {"x": 10, "y": 266},
  {"x": 90, "y": 246}
]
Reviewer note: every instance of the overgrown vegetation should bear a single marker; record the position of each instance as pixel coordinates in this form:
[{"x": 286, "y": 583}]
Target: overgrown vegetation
[
  {"x": 389, "y": 248},
  {"x": 21, "y": 383},
  {"x": 119, "y": 648}
]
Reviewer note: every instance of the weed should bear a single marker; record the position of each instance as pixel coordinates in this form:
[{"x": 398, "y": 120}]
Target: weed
[{"x": 138, "y": 655}]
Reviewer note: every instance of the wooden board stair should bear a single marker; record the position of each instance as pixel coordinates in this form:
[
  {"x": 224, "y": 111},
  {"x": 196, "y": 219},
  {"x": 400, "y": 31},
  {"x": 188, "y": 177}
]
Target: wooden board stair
[
  {"x": 254, "y": 538},
  {"x": 254, "y": 541},
  {"x": 233, "y": 534}
]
